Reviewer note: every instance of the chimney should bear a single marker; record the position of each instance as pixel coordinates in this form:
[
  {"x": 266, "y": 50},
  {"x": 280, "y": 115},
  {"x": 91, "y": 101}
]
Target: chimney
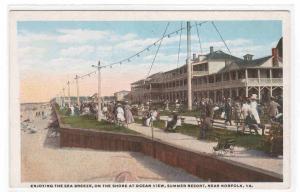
[
  {"x": 275, "y": 57},
  {"x": 248, "y": 57},
  {"x": 194, "y": 56},
  {"x": 211, "y": 49}
]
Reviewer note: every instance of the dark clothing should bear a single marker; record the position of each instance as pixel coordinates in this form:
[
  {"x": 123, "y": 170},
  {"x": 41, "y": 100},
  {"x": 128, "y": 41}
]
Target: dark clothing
[
  {"x": 172, "y": 123},
  {"x": 228, "y": 112},
  {"x": 205, "y": 126}
]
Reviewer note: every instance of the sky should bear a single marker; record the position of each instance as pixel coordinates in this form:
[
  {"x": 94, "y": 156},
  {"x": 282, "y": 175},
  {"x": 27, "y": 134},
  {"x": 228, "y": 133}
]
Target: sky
[{"x": 52, "y": 52}]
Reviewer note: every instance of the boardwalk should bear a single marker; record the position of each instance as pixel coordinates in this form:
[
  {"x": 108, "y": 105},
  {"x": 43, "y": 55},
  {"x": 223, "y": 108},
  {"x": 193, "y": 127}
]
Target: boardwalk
[{"x": 249, "y": 157}]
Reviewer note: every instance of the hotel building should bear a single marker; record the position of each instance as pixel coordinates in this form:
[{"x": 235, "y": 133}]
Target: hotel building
[{"x": 216, "y": 75}]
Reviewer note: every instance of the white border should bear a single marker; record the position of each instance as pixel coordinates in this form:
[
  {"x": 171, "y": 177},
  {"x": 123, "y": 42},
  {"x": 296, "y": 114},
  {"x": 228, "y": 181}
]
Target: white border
[{"x": 220, "y": 7}]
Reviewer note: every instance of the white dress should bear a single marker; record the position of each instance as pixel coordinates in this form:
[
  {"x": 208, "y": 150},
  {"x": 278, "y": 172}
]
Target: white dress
[
  {"x": 120, "y": 114},
  {"x": 245, "y": 110},
  {"x": 72, "y": 110},
  {"x": 254, "y": 112}
]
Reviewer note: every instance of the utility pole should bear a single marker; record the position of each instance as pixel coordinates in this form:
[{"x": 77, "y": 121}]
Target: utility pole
[
  {"x": 60, "y": 99},
  {"x": 100, "y": 115},
  {"x": 77, "y": 86},
  {"x": 189, "y": 67},
  {"x": 63, "y": 100},
  {"x": 68, "y": 83}
]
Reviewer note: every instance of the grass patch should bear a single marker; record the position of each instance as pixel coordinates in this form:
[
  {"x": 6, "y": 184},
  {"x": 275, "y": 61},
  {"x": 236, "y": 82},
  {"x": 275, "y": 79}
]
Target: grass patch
[
  {"x": 246, "y": 141},
  {"x": 182, "y": 113},
  {"x": 89, "y": 122}
]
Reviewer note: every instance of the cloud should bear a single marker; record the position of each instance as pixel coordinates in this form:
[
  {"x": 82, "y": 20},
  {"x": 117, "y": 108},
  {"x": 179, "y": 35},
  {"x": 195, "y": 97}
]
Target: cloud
[
  {"x": 25, "y": 37},
  {"x": 78, "y": 51},
  {"x": 80, "y": 35},
  {"x": 30, "y": 52},
  {"x": 73, "y": 51}
]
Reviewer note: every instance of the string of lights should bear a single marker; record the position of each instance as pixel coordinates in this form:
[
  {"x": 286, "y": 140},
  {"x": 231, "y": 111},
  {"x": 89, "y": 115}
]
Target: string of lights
[
  {"x": 136, "y": 55},
  {"x": 146, "y": 49}
]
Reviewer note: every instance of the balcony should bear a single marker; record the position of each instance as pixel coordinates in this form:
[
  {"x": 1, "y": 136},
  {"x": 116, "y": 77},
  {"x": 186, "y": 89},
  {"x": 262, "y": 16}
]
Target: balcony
[
  {"x": 240, "y": 83},
  {"x": 264, "y": 81},
  {"x": 199, "y": 73}
]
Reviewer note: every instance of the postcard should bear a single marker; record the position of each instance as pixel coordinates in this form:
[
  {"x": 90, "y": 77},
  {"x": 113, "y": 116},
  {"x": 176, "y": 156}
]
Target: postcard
[{"x": 190, "y": 99}]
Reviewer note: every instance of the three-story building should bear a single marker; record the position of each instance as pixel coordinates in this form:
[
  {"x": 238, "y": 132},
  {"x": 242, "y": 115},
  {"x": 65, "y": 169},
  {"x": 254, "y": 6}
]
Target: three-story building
[{"x": 216, "y": 75}]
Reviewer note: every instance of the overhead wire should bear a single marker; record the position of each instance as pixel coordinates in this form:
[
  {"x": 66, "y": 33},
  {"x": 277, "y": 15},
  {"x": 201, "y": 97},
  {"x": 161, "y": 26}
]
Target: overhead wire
[
  {"x": 157, "y": 50},
  {"x": 221, "y": 37},
  {"x": 199, "y": 40},
  {"x": 179, "y": 44},
  {"x": 147, "y": 48}
]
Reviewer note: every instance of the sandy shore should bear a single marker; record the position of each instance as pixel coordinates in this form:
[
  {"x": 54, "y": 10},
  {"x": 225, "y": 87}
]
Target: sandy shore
[{"x": 43, "y": 161}]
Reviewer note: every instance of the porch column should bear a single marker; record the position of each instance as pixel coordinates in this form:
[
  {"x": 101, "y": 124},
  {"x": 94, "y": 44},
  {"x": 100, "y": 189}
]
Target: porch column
[
  {"x": 237, "y": 92},
  {"x": 271, "y": 91},
  {"x": 222, "y": 94},
  {"x": 246, "y": 77},
  {"x": 230, "y": 93},
  {"x": 258, "y": 74},
  {"x": 215, "y": 96},
  {"x": 236, "y": 75}
]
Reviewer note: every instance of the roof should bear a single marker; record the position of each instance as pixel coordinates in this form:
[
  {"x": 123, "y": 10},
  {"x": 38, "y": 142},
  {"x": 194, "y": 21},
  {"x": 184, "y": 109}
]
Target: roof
[
  {"x": 123, "y": 91},
  {"x": 242, "y": 64},
  {"x": 155, "y": 75},
  {"x": 279, "y": 47},
  {"x": 221, "y": 55}
]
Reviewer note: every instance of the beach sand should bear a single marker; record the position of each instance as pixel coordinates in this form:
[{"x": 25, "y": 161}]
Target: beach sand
[{"x": 42, "y": 160}]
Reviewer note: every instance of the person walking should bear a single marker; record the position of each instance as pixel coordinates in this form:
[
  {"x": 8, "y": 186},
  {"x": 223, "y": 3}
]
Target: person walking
[
  {"x": 238, "y": 110},
  {"x": 120, "y": 114},
  {"x": 206, "y": 120},
  {"x": 228, "y": 111},
  {"x": 273, "y": 109},
  {"x": 254, "y": 109},
  {"x": 128, "y": 115}
]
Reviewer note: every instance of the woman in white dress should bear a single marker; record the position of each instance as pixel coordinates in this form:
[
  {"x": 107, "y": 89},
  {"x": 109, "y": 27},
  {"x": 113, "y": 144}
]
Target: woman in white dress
[
  {"x": 253, "y": 108},
  {"x": 120, "y": 113}
]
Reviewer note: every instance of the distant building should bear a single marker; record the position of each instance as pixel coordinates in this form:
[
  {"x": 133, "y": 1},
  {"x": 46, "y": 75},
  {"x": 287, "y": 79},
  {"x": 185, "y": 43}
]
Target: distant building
[
  {"x": 108, "y": 99},
  {"x": 216, "y": 75},
  {"x": 105, "y": 99},
  {"x": 121, "y": 95},
  {"x": 65, "y": 100}
]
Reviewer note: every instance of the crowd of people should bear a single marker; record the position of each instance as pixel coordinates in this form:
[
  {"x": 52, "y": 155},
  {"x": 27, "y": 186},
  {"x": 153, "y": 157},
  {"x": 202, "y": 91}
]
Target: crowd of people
[
  {"x": 118, "y": 113},
  {"x": 245, "y": 112},
  {"x": 113, "y": 112}
]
